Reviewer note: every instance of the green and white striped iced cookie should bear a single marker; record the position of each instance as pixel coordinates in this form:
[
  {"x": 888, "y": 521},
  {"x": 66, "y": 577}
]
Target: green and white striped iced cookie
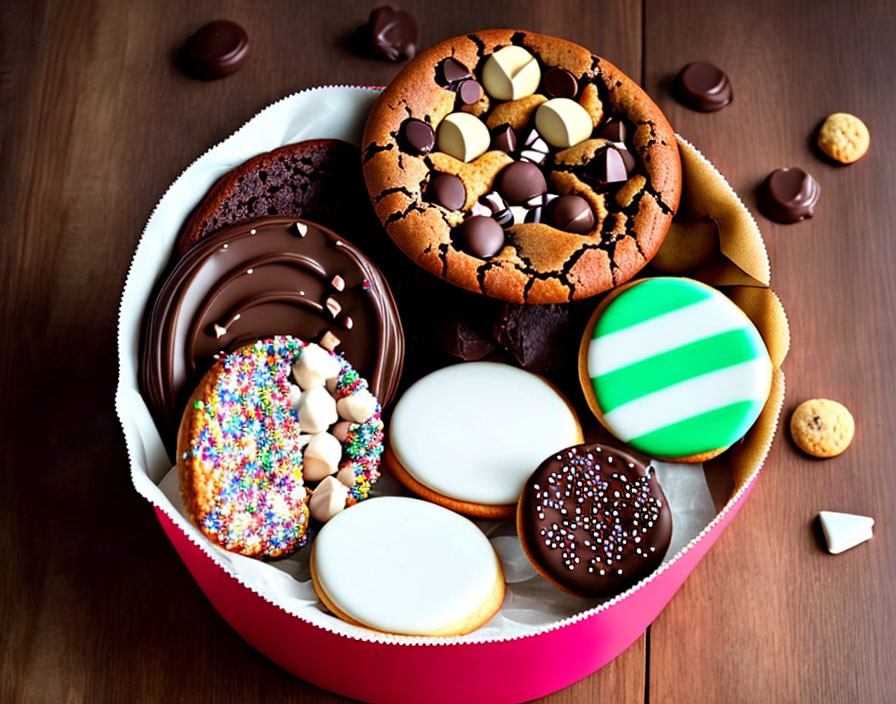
[{"x": 675, "y": 369}]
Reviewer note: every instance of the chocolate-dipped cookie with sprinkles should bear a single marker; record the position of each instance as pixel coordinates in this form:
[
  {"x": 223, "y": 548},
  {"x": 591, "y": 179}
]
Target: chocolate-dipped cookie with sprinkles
[
  {"x": 268, "y": 276},
  {"x": 566, "y": 154},
  {"x": 594, "y": 520}
]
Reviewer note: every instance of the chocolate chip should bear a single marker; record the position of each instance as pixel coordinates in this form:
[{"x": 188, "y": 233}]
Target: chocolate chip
[
  {"x": 608, "y": 167},
  {"x": 480, "y": 236},
  {"x": 560, "y": 83},
  {"x": 453, "y": 71},
  {"x": 448, "y": 191},
  {"x": 571, "y": 213},
  {"x": 520, "y": 181},
  {"x": 504, "y": 139},
  {"x": 469, "y": 92},
  {"x": 702, "y": 86},
  {"x": 418, "y": 136},
  {"x": 216, "y": 50},
  {"x": 788, "y": 195},
  {"x": 627, "y": 157},
  {"x": 534, "y": 214},
  {"x": 535, "y": 149},
  {"x": 505, "y": 218},
  {"x": 493, "y": 201},
  {"x": 613, "y": 130},
  {"x": 391, "y": 34}
]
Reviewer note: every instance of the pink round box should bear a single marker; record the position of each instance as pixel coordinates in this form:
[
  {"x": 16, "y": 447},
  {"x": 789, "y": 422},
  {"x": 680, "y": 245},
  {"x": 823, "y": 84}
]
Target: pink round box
[{"x": 390, "y": 669}]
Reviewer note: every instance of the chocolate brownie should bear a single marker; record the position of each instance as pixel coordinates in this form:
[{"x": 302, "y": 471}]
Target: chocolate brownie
[
  {"x": 313, "y": 180},
  {"x": 521, "y": 166}
]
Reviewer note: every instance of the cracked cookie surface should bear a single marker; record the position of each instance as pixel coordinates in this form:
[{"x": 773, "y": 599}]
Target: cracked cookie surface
[{"x": 618, "y": 180}]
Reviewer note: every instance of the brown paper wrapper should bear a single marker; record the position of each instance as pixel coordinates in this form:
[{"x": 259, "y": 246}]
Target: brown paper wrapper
[{"x": 716, "y": 240}]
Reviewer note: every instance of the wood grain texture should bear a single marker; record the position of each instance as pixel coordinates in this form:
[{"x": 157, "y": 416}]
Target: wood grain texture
[
  {"x": 769, "y": 615},
  {"x": 95, "y": 122}
]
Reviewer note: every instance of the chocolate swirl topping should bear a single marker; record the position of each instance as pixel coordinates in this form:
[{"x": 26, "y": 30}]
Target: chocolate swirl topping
[
  {"x": 594, "y": 520},
  {"x": 272, "y": 276}
]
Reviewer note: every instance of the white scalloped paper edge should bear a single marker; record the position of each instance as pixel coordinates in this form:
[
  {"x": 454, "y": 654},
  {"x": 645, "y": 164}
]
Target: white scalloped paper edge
[{"x": 128, "y": 399}]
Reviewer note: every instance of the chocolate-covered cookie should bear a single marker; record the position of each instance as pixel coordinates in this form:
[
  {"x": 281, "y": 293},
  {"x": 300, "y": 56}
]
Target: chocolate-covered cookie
[
  {"x": 272, "y": 276},
  {"x": 539, "y": 129},
  {"x": 312, "y": 180},
  {"x": 594, "y": 520}
]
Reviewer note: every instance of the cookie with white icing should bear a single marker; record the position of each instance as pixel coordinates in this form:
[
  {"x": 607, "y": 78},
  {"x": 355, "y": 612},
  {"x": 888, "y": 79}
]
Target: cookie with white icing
[
  {"x": 468, "y": 436},
  {"x": 674, "y": 368},
  {"x": 430, "y": 571}
]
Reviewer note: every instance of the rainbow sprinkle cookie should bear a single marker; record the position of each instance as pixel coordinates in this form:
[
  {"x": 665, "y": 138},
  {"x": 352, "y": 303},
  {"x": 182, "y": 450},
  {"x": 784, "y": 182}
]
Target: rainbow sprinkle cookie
[{"x": 248, "y": 432}]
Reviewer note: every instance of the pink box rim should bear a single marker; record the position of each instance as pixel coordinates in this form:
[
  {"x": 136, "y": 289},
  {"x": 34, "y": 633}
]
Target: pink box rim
[{"x": 732, "y": 504}]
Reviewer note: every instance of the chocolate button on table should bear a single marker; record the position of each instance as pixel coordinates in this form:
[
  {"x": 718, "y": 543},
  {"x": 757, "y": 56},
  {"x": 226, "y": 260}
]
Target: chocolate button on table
[{"x": 97, "y": 119}]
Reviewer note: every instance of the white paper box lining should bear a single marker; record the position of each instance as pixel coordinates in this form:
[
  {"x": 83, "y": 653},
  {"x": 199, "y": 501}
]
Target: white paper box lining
[{"x": 532, "y": 605}]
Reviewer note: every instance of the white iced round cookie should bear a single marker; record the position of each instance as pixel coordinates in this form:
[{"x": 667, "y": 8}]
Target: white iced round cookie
[
  {"x": 469, "y": 435},
  {"x": 429, "y": 571}
]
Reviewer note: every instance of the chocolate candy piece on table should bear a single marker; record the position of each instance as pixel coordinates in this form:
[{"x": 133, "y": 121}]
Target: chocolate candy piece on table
[
  {"x": 788, "y": 195},
  {"x": 674, "y": 368},
  {"x": 248, "y": 435},
  {"x": 389, "y": 34},
  {"x": 268, "y": 276},
  {"x": 703, "y": 86},
  {"x": 468, "y": 435},
  {"x": 545, "y": 100},
  {"x": 216, "y": 50},
  {"x": 594, "y": 520},
  {"x": 429, "y": 572},
  {"x": 311, "y": 180}
]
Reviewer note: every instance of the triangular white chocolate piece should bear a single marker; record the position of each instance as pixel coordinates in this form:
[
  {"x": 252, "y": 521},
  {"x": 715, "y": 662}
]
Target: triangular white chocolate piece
[{"x": 843, "y": 531}]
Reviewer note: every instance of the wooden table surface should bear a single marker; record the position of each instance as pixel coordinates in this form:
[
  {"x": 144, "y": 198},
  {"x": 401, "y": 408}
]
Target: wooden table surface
[{"x": 96, "y": 121}]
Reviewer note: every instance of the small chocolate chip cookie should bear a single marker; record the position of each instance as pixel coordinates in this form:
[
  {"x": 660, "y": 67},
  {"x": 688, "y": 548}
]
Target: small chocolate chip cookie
[
  {"x": 822, "y": 428},
  {"x": 521, "y": 166},
  {"x": 844, "y": 137}
]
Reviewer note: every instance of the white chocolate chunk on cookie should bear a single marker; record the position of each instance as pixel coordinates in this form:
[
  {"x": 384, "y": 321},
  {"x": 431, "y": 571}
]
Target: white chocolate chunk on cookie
[
  {"x": 321, "y": 457},
  {"x": 563, "y": 122},
  {"x": 314, "y": 366},
  {"x": 463, "y": 136},
  {"x": 511, "y": 73},
  {"x": 346, "y": 475},
  {"x": 358, "y": 407},
  {"x": 317, "y": 410},
  {"x": 328, "y": 499}
]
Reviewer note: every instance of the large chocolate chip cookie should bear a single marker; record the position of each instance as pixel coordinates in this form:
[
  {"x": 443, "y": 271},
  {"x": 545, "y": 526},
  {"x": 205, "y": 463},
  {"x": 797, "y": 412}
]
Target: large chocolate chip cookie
[{"x": 521, "y": 166}]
